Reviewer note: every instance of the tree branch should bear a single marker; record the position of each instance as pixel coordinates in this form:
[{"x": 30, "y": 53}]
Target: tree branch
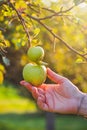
[
  {"x": 21, "y": 20},
  {"x": 60, "y": 13},
  {"x": 51, "y": 16},
  {"x": 43, "y": 8},
  {"x": 57, "y": 36}
]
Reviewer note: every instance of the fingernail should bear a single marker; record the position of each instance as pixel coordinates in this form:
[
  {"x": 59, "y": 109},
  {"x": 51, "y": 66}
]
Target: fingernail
[
  {"x": 33, "y": 89},
  {"x": 23, "y": 82}
]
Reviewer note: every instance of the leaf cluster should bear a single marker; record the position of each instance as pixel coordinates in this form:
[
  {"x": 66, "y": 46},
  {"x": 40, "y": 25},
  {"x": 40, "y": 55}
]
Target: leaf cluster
[{"x": 56, "y": 26}]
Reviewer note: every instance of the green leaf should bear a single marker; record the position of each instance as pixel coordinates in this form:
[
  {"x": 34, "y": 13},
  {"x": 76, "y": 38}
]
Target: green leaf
[
  {"x": 77, "y": 2},
  {"x": 6, "y": 61}
]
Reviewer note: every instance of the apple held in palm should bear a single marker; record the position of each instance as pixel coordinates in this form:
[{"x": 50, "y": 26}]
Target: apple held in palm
[{"x": 34, "y": 74}]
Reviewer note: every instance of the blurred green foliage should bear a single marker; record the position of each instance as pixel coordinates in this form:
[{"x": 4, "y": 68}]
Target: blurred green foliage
[{"x": 16, "y": 24}]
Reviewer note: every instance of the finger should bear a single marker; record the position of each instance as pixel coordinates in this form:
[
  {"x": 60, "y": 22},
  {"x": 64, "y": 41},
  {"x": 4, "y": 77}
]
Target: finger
[
  {"x": 30, "y": 88},
  {"x": 26, "y": 85},
  {"x": 41, "y": 91},
  {"x": 42, "y": 105},
  {"x": 35, "y": 93},
  {"x": 44, "y": 86},
  {"x": 42, "y": 97},
  {"x": 55, "y": 77}
]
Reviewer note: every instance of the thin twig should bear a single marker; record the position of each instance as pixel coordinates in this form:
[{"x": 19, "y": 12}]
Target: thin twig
[
  {"x": 60, "y": 13},
  {"x": 43, "y": 8},
  {"x": 54, "y": 44},
  {"x": 2, "y": 51},
  {"x": 85, "y": 54},
  {"x": 50, "y": 10},
  {"x": 33, "y": 9},
  {"x": 2, "y": 29},
  {"x": 51, "y": 16},
  {"x": 3, "y": 2}
]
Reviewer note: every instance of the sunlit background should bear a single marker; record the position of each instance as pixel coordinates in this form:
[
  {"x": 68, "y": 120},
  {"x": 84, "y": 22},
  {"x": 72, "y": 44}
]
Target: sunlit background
[{"x": 18, "y": 109}]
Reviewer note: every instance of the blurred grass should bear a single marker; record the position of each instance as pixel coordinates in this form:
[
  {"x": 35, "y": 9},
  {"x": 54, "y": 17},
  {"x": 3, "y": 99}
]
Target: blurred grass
[
  {"x": 38, "y": 122},
  {"x": 11, "y": 101},
  {"x": 70, "y": 122},
  {"x": 21, "y": 122}
]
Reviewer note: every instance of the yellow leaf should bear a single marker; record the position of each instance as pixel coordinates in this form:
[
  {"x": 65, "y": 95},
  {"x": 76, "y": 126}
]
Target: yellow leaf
[
  {"x": 79, "y": 60},
  {"x": 1, "y": 77},
  {"x": 2, "y": 68},
  {"x": 36, "y": 32}
]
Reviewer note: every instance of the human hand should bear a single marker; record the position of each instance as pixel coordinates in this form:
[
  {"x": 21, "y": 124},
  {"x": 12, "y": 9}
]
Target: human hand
[{"x": 62, "y": 97}]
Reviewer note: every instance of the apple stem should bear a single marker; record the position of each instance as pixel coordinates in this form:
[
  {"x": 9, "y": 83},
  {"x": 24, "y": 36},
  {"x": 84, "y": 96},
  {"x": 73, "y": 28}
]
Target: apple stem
[{"x": 42, "y": 63}]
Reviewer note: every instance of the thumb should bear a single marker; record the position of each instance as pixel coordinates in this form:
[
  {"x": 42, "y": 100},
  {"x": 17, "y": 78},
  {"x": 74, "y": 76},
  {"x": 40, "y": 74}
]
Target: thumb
[{"x": 55, "y": 77}]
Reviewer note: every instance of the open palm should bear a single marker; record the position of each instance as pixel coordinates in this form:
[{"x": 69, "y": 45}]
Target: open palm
[{"x": 61, "y": 97}]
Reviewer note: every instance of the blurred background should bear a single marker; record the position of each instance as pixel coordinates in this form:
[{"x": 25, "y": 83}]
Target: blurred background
[{"x": 27, "y": 23}]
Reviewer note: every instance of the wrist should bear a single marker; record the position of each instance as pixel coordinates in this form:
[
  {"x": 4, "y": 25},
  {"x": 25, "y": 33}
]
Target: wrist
[{"x": 82, "y": 107}]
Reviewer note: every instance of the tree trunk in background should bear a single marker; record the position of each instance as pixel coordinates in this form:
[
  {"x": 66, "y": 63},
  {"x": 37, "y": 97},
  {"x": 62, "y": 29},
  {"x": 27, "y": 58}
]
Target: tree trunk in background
[{"x": 50, "y": 121}]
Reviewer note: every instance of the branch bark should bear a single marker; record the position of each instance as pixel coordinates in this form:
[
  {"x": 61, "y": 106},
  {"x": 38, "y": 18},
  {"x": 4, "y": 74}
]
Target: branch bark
[
  {"x": 21, "y": 20},
  {"x": 60, "y": 13}
]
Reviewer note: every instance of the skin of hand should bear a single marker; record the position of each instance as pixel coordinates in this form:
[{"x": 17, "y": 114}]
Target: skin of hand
[{"x": 61, "y": 97}]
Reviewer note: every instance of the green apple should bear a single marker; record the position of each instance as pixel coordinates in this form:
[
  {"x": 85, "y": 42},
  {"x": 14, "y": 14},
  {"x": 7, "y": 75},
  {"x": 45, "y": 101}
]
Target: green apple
[
  {"x": 35, "y": 53},
  {"x": 34, "y": 74}
]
